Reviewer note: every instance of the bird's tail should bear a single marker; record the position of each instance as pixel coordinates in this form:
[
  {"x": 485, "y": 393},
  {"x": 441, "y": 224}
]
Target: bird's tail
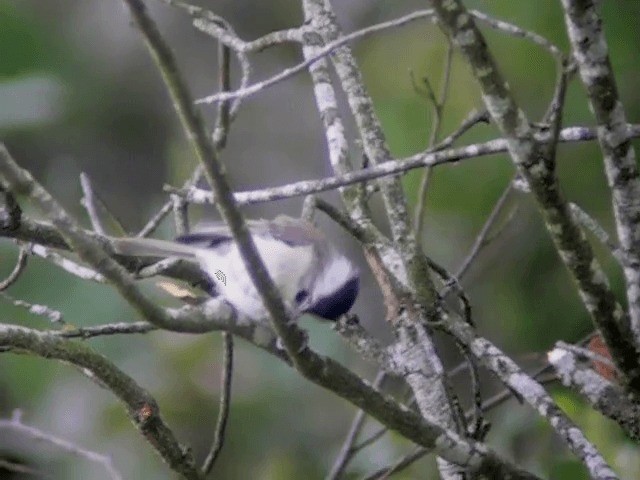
[{"x": 151, "y": 247}]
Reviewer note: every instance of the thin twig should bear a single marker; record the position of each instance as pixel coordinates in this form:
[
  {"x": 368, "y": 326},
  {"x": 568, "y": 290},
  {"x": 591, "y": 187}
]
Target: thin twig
[
  {"x": 224, "y": 405},
  {"x": 438, "y": 109},
  {"x": 393, "y": 167},
  {"x": 15, "y": 425},
  {"x": 517, "y": 31},
  {"x": 401, "y": 464},
  {"x": 477, "y": 428},
  {"x": 141, "y": 407},
  {"x": 18, "y": 268},
  {"x": 91, "y": 250},
  {"x": 49, "y": 313},
  {"x": 341, "y": 219},
  {"x": 89, "y": 201},
  {"x": 223, "y": 118},
  {"x": 67, "y": 264},
  {"x": 214, "y": 25},
  {"x": 158, "y": 268},
  {"x": 124, "y": 328},
  {"x": 156, "y": 219},
  {"x": 20, "y": 468},
  {"x": 374, "y": 437},
  {"x": 167, "y": 208},
  {"x": 180, "y": 214},
  {"x": 472, "y": 119},
  {"x": 323, "y": 52},
  {"x": 591, "y": 224},
  {"x": 347, "y": 451},
  {"x": 226, "y": 114},
  {"x": 481, "y": 239}
]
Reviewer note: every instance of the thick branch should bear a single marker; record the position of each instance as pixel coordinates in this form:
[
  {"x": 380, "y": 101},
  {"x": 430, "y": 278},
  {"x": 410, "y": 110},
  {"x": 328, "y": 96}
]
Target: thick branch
[
  {"x": 141, "y": 406},
  {"x": 589, "y": 46},
  {"x": 531, "y": 156}
]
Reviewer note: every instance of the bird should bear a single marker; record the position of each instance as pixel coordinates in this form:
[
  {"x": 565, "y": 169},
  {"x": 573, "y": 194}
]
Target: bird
[{"x": 311, "y": 274}]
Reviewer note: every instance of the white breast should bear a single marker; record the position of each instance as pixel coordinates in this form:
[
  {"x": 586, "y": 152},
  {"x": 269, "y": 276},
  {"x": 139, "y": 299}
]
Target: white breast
[{"x": 289, "y": 268}]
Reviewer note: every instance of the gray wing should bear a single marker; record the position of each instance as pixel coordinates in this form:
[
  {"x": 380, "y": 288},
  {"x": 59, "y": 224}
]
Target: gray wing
[
  {"x": 294, "y": 232},
  {"x": 291, "y": 231},
  {"x": 152, "y": 247}
]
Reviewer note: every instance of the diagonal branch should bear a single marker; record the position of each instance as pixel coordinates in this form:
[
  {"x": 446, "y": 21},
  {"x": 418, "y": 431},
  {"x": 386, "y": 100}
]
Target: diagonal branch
[
  {"x": 16, "y": 425},
  {"x": 91, "y": 250},
  {"x": 141, "y": 407},
  {"x": 321, "y": 370},
  {"x": 531, "y": 156},
  {"x": 584, "y": 26},
  {"x": 391, "y": 167}
]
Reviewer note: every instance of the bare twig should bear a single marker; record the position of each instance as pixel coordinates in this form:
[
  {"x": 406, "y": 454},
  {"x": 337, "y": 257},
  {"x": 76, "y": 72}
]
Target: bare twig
[
  {"x": 20, "y": 468},
  {"x": 393, "y": 167},
  {"x": 124, "y": 328},
  {"x": 218, "y": 28},
  {"x": 224, "y": 404},
  {"x": 374, "y": 437},
  {"x": 590, "y": 223},
  {"x": 158, "y": 268},
  {"x": 67, "y": 264},
  {"x": 156, "y": 219},
  {"x": 91, "y": 250},
  {"x": 341, "y": 219},
  {"x": 438, "y": 109},
  {"x": 589, "y": 46},
  {"x": 473, "y": 118},
  {"x": 140, "y": 405},
  {"x": 481, "y": 239},
  {"x": 180, "y": 214},
  {"x": 223, "y": 118},
  {"x": 18, "y": 268},
  {"x": 167, "y": 208},
  {"x": 400, "y": 465},
  {"x": 326, "y": 50},
  {"x": 89, "y": 201},
  {"x": 50, "y": 314},
  {"x": 516, "y": 31},
  {"x": 347, "y": 451},
  {"x": 15, "y": 425}
]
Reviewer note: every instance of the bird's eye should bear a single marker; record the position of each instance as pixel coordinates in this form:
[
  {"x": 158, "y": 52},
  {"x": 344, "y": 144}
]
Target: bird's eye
[{"x": 301, "y": 296}]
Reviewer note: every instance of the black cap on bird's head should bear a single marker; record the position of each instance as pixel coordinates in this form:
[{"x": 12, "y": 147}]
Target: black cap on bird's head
[
  {"x": 337, "y": 303},
  {"x": 334, "y": 291}
]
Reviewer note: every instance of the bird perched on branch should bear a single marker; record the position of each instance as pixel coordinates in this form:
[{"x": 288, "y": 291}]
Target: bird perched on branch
[{"x": 310, "y": 273}]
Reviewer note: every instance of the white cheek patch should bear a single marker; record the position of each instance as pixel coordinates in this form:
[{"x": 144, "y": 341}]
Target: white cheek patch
[{"x": 336, "y": 274}]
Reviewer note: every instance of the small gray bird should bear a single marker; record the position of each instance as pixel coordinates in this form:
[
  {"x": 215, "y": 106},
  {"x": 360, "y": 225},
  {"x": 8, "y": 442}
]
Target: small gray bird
[{"x": 310, "y": 273}]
